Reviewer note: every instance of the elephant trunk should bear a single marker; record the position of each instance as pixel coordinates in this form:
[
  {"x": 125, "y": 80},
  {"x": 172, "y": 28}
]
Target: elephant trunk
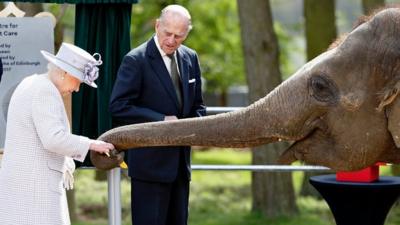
[
  {"x": 233, "y": 129},
  {"x": 263, "y": 122}
]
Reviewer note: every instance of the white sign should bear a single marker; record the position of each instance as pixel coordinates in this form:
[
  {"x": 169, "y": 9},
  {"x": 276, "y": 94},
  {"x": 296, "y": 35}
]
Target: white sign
[{"x": 21, "y": 39}]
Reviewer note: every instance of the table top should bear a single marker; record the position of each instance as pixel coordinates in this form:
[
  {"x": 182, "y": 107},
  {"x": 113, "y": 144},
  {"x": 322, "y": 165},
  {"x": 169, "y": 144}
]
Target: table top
[{"x": 330, "y": 179}]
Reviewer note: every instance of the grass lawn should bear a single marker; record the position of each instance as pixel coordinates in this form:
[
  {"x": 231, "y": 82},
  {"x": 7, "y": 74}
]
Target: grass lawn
[{"x": 216, "y": 198}]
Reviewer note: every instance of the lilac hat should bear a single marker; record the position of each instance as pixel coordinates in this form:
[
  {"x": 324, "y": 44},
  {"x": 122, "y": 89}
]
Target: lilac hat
[{"x": 76, "y": 62}]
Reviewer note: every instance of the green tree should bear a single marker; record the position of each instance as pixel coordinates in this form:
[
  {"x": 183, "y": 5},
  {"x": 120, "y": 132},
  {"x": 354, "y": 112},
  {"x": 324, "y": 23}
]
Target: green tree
[{"x": 272, "y": 193}]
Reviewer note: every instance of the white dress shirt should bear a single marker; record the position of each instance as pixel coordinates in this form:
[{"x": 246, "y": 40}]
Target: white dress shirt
[{"x": 165, "y": 57}]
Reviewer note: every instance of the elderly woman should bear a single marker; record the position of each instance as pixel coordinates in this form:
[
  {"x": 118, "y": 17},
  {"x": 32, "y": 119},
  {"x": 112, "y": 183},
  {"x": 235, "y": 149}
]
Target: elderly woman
[{"x": 39, "y": 148}]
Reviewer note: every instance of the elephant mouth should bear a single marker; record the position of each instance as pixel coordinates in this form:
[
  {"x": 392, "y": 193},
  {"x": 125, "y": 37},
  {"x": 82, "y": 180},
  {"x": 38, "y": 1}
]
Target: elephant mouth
[
  {"x": 296, "y": 151},
  {"x": 308, "y": 147}
]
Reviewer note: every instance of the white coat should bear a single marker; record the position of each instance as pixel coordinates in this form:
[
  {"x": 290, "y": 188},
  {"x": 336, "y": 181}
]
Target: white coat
[{"x": 38, "y": 149}]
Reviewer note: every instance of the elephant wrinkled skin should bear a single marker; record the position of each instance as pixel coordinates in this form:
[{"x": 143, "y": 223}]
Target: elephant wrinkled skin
[{"x": 341, "y": 109}]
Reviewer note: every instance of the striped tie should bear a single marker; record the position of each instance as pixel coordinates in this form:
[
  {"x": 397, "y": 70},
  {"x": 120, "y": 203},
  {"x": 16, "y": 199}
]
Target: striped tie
[{"x": 176, "y": 79}]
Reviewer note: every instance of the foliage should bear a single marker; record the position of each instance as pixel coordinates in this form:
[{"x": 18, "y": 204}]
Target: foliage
[
  {"x": 287, "y": 49},
  {"x": 65, "y": 14},
  {"x": 216, "y": 35},
  {"x": 222, "y": 156}
]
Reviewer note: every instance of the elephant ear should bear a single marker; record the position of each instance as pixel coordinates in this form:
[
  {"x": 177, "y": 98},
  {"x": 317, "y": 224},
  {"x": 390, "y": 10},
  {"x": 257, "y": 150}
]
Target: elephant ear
[{"x": 391, "y": 103}]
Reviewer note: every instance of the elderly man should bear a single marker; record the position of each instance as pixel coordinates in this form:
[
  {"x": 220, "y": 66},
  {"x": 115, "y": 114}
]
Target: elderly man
[{"x": 159, "y": 80}]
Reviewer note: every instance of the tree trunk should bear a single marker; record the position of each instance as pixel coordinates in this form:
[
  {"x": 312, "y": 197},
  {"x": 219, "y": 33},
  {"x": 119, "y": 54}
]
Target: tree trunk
[
  {"x": 30, "y": 9},
  {"x": 320, "y": 32},
  {"x": 272, "y": 192},
  {"x": 370, "y": 5},
  {"x": 320, "y": 26},
  {"x": 223, "y": 98},
  {"x": 72, "y": 205},
  {"x": 58, "y": 35}
]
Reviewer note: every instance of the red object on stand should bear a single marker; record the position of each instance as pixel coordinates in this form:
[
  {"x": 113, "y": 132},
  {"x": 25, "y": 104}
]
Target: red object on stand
[{"x": 369, "y": 174}]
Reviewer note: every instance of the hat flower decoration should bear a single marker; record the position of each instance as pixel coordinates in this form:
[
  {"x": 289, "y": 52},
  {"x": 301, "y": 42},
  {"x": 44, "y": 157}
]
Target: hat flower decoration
[
  {"x": 77, "y": 62},
  {"x": 90, "y": 69}
]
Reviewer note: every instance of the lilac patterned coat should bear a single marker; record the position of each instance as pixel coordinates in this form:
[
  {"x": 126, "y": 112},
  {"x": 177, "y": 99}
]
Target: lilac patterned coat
[{"x": 38, "y": 152}]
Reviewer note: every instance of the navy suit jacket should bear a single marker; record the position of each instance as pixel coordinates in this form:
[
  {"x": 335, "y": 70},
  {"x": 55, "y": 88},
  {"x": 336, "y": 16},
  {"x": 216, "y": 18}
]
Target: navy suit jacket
[{"x": 144, "y": 92}]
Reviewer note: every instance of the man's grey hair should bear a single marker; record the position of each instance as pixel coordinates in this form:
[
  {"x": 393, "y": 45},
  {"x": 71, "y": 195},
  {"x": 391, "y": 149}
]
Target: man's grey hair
[{"x": 177, "y": 9}]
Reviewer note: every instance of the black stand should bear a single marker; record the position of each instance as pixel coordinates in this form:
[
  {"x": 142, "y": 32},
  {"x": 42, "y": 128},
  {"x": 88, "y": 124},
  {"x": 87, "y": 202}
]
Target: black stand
[{"x": 358, "y": 203}]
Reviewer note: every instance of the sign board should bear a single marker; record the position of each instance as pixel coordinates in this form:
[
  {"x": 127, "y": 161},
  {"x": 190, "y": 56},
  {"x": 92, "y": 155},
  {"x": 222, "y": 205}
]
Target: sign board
[{"x": 21, "y": 39}]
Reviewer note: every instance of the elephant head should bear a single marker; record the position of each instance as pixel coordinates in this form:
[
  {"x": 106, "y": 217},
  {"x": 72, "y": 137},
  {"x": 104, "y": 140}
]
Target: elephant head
[{"x": 341, "y": 110}]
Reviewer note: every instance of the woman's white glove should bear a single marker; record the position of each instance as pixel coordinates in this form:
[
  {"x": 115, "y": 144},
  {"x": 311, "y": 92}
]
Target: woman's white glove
[{"x": 68, "y": 177}]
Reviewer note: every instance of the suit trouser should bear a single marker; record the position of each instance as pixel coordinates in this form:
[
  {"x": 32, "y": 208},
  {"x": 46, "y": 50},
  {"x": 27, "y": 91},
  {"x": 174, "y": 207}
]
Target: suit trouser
[{"x": 155, "y": 203}]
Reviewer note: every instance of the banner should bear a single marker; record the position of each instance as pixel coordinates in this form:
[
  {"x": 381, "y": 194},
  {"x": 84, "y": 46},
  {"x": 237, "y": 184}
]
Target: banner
[{"x": 21, "y": 39}]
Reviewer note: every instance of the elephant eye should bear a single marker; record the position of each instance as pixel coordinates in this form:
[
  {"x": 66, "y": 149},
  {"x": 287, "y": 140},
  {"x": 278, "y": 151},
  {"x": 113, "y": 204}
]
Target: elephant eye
[{"x": 323, "y": 89}]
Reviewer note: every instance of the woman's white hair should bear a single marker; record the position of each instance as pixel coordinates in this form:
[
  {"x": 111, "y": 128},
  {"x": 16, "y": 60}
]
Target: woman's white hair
[{"x": 54, "y": 69}]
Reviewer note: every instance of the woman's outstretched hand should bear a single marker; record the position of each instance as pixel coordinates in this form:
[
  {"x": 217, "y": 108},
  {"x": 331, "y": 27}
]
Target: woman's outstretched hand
[
  {"x": 104, "y": 156},
  {"x": 101, "y": 147}
]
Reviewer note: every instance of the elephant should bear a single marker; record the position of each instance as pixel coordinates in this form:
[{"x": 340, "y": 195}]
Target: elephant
[{"x": 340, "y": 110}]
